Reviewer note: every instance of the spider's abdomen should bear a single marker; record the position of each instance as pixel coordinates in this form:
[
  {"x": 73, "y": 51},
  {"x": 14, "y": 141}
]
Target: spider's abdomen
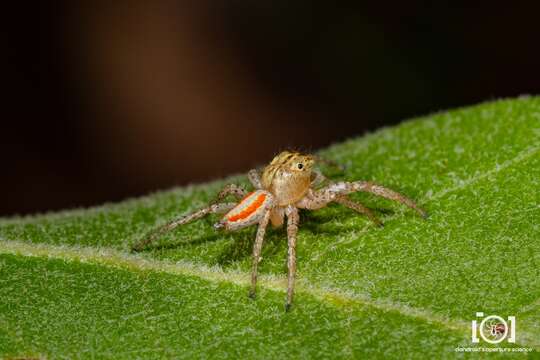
[{"x": 249, "y": 210}]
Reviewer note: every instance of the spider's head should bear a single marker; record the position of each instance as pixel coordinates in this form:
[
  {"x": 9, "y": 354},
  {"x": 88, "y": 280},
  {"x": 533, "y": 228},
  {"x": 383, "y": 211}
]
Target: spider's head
[
  {"x": 294, "y": 162},
  {"x": 288, "y": 176}
]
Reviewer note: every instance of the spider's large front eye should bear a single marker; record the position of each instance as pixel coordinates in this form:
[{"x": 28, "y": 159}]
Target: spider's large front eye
[{"x": 300, "y": 166}]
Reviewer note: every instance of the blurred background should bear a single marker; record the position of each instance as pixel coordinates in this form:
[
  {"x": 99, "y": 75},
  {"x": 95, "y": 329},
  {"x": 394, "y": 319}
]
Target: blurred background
[{"x": 106, "y": 100}]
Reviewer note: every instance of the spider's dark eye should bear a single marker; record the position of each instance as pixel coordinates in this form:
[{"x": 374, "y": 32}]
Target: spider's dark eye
[{"x": 300, "y": 166}]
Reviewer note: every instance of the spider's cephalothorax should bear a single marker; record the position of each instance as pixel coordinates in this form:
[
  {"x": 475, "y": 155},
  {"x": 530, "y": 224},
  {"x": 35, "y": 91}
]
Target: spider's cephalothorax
[
  {"x": 287, "y": 184},
  {"x": 288, "y": 177}
]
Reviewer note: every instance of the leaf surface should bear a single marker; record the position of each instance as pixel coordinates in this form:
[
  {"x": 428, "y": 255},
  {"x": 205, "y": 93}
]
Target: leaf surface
[{"x": 70, "y": 288}]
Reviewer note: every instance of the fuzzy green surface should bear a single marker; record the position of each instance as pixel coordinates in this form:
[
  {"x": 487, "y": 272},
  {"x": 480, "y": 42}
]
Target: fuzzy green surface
[
  {"x": 73, "y": 309},
  {"x": 408, "y": 289}
]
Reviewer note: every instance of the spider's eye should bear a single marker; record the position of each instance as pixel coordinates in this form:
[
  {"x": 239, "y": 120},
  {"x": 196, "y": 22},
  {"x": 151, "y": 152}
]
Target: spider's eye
[{"x": 300, "y": 166}]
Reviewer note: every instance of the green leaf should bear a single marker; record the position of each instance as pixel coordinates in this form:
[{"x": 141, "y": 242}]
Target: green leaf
[{"x": 69, "y": 287}]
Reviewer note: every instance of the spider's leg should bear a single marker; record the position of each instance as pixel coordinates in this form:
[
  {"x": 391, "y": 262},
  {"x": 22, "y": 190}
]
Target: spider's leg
[
  {"x": 261, "y": 230},
  {"x": 385, "y": 193},
  {"x": 356, "y": 206},
  {"x": 318, "y": 199},
  {"x": 154, "y": 234},
  {"x": 231, "y": 189},
  {"x": 292, "y": 229},
  {"x": 255, "y": 178}
]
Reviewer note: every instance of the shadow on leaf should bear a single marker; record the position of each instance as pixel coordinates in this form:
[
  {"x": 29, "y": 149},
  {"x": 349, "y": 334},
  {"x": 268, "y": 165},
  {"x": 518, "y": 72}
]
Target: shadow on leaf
[
  {"x": 171, "y": 245},
  {"x": 242, "y": 246}
]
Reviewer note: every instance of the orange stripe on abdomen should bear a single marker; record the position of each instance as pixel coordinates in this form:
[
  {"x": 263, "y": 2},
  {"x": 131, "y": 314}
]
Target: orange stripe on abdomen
[{"x": 250, "y": 209}]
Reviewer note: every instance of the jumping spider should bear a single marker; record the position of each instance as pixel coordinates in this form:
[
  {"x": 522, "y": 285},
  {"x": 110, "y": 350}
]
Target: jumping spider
[{"x": 287, "y": 184}]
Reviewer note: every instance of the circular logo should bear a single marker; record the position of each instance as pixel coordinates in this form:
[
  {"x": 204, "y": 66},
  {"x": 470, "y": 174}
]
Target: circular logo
[{"x": 493, "y": 329}]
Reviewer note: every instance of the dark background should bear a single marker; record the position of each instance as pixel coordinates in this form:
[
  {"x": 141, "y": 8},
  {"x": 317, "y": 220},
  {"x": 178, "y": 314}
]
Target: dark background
[{"x": 104, "y": 100}]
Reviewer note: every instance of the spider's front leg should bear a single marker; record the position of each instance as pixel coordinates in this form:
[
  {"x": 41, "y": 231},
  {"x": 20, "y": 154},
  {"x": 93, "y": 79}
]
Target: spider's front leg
[
  {"x": 381, "y": 191},
  {"x": 154, "y": 234},
  {"x": 338, "y": 192}
]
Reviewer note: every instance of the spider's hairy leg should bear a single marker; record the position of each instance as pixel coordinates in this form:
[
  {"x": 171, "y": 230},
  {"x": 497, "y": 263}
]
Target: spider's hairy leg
[
  {"x": 292, "y": 230},
  {"x": 230, "y": 189},
  {"x": 333, "y": 191},
  {"x": 154, "y": 234},
  {"x": 386, "y": 193},
  {"x": 261, "y": 230},
  {"x": 314, "y": 200},
  {"x": 255, "y": 178},
  {"x": 356, "y": 206}
]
